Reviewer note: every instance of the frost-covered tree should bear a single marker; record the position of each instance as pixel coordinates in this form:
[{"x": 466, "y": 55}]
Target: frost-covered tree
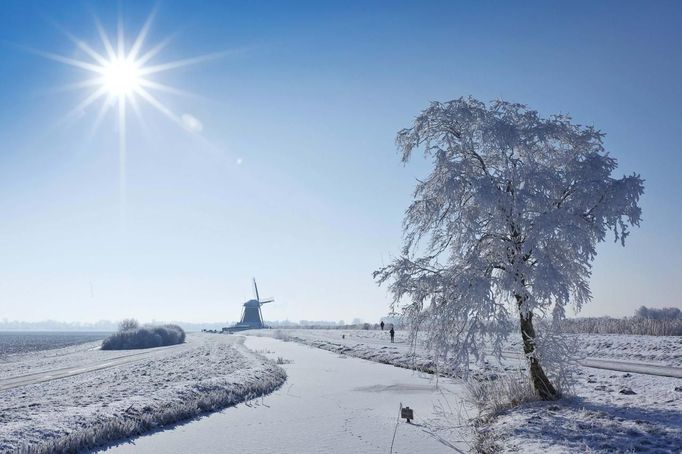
[
  {"x": 128, "y": 324},
  {"x": 665, "y": 313},
  {"x": 505, "y": 225}
]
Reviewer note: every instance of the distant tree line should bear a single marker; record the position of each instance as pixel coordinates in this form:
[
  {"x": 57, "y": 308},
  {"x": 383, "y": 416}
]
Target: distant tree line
[
  {"x": 665, "y": 321},
  {"x": 101, "y": 326},
  {"x": 55, "y": 325},
  {"x": 357, "y": 323},
  {"x": 664, "y": 313}
]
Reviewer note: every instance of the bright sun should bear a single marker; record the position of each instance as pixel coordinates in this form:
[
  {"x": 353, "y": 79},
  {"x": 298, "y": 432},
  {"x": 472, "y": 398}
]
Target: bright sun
[
  {"x": 121, "y": 77},
  {"x": 122, "y": 74}
]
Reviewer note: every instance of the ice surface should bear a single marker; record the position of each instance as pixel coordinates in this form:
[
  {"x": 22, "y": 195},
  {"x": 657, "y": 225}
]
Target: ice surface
[{"x": 329, "y": 404}]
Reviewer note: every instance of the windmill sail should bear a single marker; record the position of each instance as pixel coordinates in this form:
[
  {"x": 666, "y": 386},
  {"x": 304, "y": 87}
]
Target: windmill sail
[{"x": 255, "y": 289}]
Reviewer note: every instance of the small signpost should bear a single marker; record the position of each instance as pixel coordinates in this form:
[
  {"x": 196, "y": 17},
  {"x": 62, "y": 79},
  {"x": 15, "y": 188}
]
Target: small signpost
[{"x": 407, "y": 413}]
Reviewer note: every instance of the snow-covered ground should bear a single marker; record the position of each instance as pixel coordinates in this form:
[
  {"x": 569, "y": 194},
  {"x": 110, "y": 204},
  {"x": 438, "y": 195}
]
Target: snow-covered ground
[
  {"x": 80, "y": 396},
  {"x": 609, "y": 411},
  {"x": 31, "y": 362},
  {"x": 661, "y": 350},
  {"x": 330, "y": 404},
  {"x": 107, "y": 395},
  {"x": 13, "y": 342},
  {"x": 375, "y": 345}
]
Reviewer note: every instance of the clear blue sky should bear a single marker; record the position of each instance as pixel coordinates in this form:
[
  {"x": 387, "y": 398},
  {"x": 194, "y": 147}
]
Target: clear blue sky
[{"x": 294, "y": 177}]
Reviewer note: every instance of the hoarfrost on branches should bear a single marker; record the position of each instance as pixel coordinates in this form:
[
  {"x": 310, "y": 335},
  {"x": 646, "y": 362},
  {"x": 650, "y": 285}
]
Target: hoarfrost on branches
[{"x": 506, "y": 225}]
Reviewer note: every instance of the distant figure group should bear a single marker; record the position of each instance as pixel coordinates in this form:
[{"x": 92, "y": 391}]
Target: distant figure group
[{"x": 391, "y": 332}]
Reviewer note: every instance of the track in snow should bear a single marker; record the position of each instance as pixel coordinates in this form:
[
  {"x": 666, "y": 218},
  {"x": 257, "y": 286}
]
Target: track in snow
[
  {"x": 635, "y": 368},
  {"x": 622, "y": 366},
  {"x": 55, "y": 374}
]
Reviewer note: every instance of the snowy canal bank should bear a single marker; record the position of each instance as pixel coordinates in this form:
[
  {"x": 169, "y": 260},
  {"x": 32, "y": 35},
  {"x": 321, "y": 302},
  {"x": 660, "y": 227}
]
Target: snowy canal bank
[
  {"x": 78, "y": 397},
  {"x": 636, "y": 407},
  {"x": 330, "y": 403}
]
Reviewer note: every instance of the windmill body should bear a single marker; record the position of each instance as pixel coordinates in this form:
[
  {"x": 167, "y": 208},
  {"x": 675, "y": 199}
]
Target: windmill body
[{"x": 252, "y": 316}]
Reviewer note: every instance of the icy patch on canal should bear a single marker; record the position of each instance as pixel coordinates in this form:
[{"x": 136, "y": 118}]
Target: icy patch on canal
[{"x": 330, "y": 404}]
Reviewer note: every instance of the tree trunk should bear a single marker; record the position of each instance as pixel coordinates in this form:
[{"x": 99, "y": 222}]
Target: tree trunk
[{"x": 541, "y": 383}]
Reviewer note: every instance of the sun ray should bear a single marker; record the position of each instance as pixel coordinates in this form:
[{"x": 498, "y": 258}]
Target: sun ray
[
  {"x": 165, "y": 88},
  {"x": 122, "y": 157},
  {"x": 104, "y": 108},
  {"x": 145, "y": 71},
  {"x": 82, "y": 45},
  {"x": 138, "y": 113},
  {"x": 106, "y": 42},
  {"x": 119, "y": 73},
  {"x": 141, "y": 36},
  {"x": 120, "y": 40},
  {"x": 80, "y": 107},
  {"x": 90, "y": 51},
  {"x": 75, "y": 86},
  {"x": 67, "y": 60},
  {"x": 151, "y": 53},
  {"x": 158, "y": 105}
]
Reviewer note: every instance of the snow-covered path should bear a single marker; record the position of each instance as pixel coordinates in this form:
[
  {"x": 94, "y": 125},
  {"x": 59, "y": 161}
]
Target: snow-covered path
[
  {"x": 329, "y": 404},
  {"x": 635, "y": 368}
]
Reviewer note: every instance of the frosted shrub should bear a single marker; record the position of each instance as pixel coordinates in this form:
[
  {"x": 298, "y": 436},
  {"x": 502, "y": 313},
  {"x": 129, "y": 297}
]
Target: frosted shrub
[
  {"x": 505, "y": 391},
  {"x": 170, "y": 334},
  {"x": 145, "y": 337},
  {"x": 281, "y": 335}
]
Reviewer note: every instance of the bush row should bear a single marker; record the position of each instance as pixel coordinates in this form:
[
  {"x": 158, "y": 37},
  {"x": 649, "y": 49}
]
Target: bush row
[
  {"x": 631, "y": 325},
  {"x": 144, "y": 337}
]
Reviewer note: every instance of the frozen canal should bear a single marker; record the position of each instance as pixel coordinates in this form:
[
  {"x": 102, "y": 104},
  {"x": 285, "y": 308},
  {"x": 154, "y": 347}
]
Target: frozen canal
[{"x": 329, "y": 404}]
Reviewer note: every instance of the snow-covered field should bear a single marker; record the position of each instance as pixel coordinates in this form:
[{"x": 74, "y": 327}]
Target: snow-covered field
[
  {"x": 607, "y": 412},
  {"x": 107, "y": 395},
  {"x": 13, "y": 342},
  {"x": 79, "y": 396},
  {"x": 661, "y": 350}
]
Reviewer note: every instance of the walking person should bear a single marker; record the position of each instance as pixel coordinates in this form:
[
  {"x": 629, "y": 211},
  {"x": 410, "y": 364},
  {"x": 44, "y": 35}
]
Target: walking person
[
  {"x": 382, "y": 325},
  {"x": 392, "y": 333}
]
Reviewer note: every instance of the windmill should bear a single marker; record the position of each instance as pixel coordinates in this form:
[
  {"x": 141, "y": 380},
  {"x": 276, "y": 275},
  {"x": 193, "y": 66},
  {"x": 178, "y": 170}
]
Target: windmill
[{"x": 252, "y": 316}]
